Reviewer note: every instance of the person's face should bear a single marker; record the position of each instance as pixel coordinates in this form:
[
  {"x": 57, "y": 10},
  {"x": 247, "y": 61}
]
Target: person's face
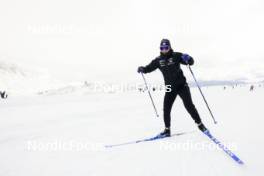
[{"x": 164, "y": 49}]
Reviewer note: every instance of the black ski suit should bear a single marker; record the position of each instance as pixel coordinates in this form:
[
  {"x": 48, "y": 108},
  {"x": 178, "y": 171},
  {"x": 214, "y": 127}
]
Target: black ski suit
[{"x": 169, "y": 65}]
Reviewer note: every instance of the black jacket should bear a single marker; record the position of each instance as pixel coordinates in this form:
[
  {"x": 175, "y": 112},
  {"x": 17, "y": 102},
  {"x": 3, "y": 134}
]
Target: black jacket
[{"x": 169, "y": 65}]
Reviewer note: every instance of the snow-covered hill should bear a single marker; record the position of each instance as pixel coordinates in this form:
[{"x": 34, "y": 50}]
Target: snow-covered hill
[{"x": 21, "y": 80}]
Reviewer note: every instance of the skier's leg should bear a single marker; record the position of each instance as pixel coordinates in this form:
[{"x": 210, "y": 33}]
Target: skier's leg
[
  {"x": 185, "y": 95},
  {"x": 167, "y": 105}
]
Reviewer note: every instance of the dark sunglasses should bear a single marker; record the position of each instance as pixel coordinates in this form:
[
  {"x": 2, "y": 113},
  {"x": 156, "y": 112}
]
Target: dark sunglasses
[{"x": 164, "y": 48}]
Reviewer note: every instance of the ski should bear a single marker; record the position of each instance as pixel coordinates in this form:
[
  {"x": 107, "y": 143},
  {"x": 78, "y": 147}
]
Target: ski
[
  {"x": 224, "y": 148},
  {"x": 144, "y": 140}
]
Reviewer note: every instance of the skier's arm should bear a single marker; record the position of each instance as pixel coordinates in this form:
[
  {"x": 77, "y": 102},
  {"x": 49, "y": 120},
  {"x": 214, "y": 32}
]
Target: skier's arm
[
  {"x": 186, "y": 59},
  {"x": 149, "y": 68}
]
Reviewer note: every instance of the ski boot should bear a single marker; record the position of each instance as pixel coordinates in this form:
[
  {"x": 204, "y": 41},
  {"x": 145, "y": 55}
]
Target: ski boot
[
  {"x": 202, "y": 127},
  {"x": 165, "y": 133}
]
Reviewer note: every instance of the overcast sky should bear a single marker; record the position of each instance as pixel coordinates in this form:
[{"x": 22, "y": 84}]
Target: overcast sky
[{"x": 105, "y": 40}]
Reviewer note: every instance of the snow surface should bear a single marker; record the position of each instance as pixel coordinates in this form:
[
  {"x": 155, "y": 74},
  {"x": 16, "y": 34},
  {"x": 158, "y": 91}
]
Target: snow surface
[{"x": 101, "y": 119}]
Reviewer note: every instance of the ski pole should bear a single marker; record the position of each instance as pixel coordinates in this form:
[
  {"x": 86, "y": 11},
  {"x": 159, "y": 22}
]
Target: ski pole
[
  {"x": 202, "y": 94},
  {"x": 156, "y": 112}
]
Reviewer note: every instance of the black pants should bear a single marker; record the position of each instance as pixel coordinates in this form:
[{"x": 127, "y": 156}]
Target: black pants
[{"x": 185, "y": 94}]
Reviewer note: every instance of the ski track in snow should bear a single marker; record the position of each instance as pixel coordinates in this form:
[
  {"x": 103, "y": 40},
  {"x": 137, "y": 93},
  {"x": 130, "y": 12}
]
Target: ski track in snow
[{"x": 104, "y": 119}]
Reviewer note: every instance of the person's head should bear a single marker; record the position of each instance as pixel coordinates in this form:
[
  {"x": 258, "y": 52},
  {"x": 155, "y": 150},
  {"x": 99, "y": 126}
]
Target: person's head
[{"x": 165, "y": 46}]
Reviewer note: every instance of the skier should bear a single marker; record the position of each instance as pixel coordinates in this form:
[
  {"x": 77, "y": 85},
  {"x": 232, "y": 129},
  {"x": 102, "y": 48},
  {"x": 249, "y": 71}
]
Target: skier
[
  {"x": 3, "y": 95},
  {"x": 251, "y": 88},
  {"x": 168, "y": 62}
]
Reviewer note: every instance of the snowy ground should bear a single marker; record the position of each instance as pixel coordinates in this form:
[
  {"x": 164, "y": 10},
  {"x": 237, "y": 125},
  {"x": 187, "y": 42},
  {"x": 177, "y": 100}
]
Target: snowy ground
[{"x": 34, "y": 128}]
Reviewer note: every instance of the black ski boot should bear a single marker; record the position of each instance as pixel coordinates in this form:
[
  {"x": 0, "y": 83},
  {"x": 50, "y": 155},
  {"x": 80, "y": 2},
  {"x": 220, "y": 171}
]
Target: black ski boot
[
  {"x": 202, "y": 127},
  {"x": 165, "y": 133}
]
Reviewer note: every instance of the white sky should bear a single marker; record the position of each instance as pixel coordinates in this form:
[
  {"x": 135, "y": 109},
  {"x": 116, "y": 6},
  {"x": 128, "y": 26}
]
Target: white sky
[{"x": 106, "y": 40}]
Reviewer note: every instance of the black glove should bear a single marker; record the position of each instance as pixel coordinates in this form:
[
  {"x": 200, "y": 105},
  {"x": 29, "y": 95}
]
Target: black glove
[{"x": 140, "y": 69}]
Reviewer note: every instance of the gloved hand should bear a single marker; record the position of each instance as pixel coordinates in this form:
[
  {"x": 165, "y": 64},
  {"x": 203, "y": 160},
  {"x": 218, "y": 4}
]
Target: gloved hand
[
  {"x": 140, "y": 69},
  {"x": 186, "y": 58}
]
